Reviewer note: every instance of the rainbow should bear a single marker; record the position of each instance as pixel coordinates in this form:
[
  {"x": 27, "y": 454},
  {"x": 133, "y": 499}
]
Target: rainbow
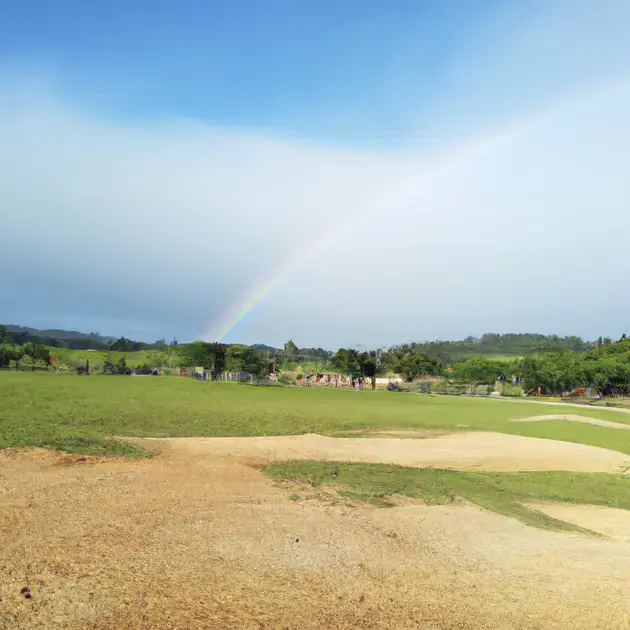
[{"x": 405, "y": 192}]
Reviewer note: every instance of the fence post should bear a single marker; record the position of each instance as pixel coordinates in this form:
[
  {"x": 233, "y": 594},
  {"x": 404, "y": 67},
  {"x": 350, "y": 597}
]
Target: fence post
[{"x": 251, "y": 379}]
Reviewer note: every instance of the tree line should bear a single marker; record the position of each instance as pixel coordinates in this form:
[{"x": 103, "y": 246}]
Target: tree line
[
  {"x": 552, "y": 363},
  {"x": 603, "y": 368},
  {"x": 93, "y": 341}
]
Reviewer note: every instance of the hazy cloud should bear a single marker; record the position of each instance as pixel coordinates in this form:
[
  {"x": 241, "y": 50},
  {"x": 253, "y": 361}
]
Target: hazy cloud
[{"x": 162, "y": 228}]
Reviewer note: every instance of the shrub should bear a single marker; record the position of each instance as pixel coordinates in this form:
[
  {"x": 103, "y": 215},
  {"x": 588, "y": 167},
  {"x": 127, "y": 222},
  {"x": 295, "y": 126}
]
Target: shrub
[
  {"x": 109, "y": 368},
  {"x": 440, "y": 387},
  {"x": 483, "y": 390},
  {"x": 424, "y": 387},
  {"x": 512, "y": 391},
  {"x": 285, "y": 377}
]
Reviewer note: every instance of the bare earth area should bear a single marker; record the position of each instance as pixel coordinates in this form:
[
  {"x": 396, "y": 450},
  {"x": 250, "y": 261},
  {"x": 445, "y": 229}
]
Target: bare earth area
[
  {"x": 191, "y": 538},
  {"x": 604, "y": 520},
  {"x": 575, "y": 418},
  {"x": 461, "y": 451}
]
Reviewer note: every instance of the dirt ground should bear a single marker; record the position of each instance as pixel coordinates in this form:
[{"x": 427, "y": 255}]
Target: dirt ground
[
  {"x": 608, "y": 521},
  {"x": 575, "y": 418},
  {"x": 196, "y": 539},
  {"x": 461, "y": 451}
]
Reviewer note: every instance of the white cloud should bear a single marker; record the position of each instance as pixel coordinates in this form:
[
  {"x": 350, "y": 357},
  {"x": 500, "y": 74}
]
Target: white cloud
[
  {"x": 166, "y": 225},
  {"x": 177, "y": 216}
]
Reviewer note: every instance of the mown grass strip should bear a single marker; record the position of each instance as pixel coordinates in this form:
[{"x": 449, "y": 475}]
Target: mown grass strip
[{"x": 503, "y": 493}]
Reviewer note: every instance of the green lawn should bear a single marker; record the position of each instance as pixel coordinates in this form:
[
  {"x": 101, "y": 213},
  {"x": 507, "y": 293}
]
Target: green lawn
[
  {"x": 75, "y": 413},
  {"x": 504, "y": 493},
  {"x": 96, "y": 357},
  {"x": 80, "y": 413}
]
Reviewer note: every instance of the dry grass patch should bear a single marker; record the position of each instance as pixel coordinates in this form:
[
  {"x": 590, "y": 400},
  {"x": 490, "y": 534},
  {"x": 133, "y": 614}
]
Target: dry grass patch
[{"x": 194, "y": 541}]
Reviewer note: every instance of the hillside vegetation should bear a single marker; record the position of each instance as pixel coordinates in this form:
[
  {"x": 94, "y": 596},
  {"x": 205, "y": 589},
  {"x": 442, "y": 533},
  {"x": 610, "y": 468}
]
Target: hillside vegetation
[{"x": 550, "y": 365}]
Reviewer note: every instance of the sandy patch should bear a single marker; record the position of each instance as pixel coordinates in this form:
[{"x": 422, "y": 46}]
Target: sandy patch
[
  {"x": 603, "y": 520},
  {"x": 461, "y": 451},
  {"x": 575, "y": 418},
  {"x": 419, "y": 433},
  {"x": 188, "y": 540}
]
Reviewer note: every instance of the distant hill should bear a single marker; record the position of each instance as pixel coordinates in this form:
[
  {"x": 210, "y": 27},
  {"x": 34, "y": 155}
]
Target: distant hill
[
  {"x": 54, "y": 333},
  {"x": 494, "y": 345},
  {"x": 262, "y": 346}
]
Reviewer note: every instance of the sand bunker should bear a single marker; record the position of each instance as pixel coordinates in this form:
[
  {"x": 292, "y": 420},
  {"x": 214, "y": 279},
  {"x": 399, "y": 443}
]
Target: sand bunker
[
  {"x": 190, "y": 540},
  {"x": 575, "y": 418},
  {"x": 461, "y": 451},
  {"x": 608, "y": 521}
]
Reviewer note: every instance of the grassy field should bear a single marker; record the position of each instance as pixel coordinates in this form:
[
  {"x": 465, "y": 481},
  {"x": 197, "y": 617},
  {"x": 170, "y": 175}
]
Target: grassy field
[
  {"x": 75, "y": 358},
  {"x": 77, "y": 413},
  {"x": 81, "y": 414},
  {"x": 504, "y": 493}
]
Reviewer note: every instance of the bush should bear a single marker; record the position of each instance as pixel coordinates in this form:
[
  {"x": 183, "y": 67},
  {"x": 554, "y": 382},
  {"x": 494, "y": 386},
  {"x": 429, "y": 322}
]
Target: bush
[
  {"x": 424, "y": 387},
  {"x": 483, "y": 390},
  {"x": 109, "y": 368},
  {"x": 512, "y": 391},
  {"x": 285, "y": 377},
  {"x": 439, "y": 387}
]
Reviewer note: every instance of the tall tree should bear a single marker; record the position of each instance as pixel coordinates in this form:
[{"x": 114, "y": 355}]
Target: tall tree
[{"x": 290, "y": 351}]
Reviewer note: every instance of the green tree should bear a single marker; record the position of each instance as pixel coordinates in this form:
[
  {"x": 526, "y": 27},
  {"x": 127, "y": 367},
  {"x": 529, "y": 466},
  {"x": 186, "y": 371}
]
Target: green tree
[
  {"x": 290, "y": 351},
  {"x": 127, "y": 345},
  {"x": 340, "y": 360},
  {"x": 158, "y": 357},
  {"x": 201, "y": 353},
  {"x": 121, "y": 365},
  {"x": 479, "y": 370},
  {"x": 15, "y": 354},
  {"x": 235, "y": 358},
  {"x": 37, "y": 352},
  {"x": 410, "y": 368},
  {"x": 246, "y": 358}
]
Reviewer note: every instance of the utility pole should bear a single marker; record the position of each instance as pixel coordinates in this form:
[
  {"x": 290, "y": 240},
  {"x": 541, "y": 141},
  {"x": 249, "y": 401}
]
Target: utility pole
[{"x": 377, "y": 364}]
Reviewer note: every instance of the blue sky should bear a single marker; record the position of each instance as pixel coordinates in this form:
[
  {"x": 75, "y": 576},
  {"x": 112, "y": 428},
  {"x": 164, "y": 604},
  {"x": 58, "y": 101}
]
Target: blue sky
[
  {"x": 189, "y": 154},
  {"x": 340, "y": 70}
]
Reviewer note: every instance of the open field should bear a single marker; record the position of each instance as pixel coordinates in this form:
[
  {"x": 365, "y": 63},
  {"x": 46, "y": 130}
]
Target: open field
[
  {"x": 188, "y": 540},
  {"x": 232, "y": 524},
  {"x": 96, "y": 357},
  {"x": 75, "y": 413}
]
